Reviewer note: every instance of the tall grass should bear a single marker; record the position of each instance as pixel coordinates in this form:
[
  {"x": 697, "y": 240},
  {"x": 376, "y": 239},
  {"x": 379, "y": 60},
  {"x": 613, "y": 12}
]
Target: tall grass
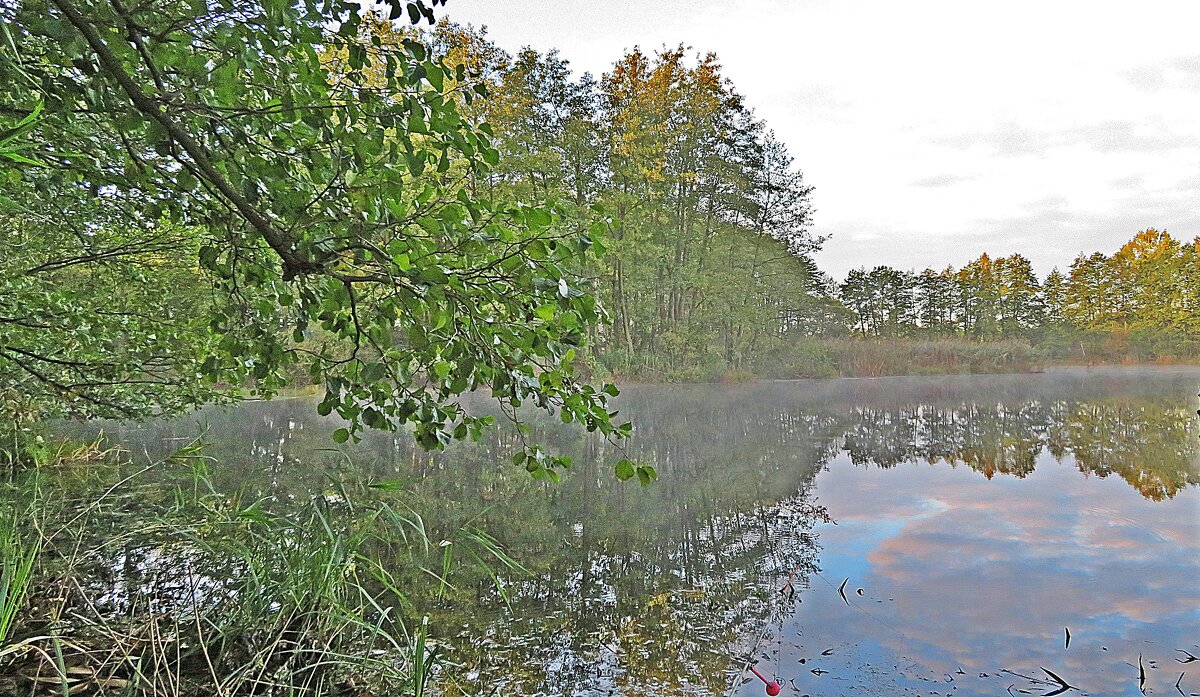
[
  {"x": 813, "y": 357},
  {"x": 856, "y": 357},
  {"x": 18, "y": 554},
  {"x": 23, "y": 448},
  {"x": 213, "y": 595},
  {"x": 879, "y": 357},
  {"x": 1120, "y": 346}
]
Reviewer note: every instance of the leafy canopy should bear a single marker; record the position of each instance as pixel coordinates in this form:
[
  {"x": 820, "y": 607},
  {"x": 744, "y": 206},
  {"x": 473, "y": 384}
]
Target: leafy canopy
[{"x": 326, "y": 181}]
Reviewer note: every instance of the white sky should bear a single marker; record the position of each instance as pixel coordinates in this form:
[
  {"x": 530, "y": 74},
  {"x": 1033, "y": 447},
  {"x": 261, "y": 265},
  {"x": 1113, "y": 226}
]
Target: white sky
[{"x": 934, "y": 131}]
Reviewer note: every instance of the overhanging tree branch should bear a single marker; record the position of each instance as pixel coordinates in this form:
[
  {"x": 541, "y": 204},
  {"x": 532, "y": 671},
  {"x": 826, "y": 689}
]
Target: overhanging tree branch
[{"x": 294, "y": 262}]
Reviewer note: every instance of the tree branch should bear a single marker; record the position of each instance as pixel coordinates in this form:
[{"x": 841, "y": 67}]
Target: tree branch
[{"x": 293, "y": 262}]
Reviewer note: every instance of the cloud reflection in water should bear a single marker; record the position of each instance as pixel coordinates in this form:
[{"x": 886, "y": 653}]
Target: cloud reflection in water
[{"x": 962, "y": 573}]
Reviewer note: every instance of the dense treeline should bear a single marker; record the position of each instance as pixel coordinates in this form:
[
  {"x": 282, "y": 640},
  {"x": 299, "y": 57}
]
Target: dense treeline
[
  {"x": 707, "y": 269},
  {"x": 707, "y": 258},
  {"x": 1151, "y": 283},
  {"x": 1142, "y": 303}
]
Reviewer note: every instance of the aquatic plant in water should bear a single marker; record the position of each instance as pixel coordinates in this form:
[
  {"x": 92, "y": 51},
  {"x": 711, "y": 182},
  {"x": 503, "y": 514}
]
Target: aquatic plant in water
[{"x": 181, "y": 590}]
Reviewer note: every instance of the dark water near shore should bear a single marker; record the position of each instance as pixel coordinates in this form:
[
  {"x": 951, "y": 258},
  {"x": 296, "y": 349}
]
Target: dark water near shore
[{"x": 972, "y": 521}]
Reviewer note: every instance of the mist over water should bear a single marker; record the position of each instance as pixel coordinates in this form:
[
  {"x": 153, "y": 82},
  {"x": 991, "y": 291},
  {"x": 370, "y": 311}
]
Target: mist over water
[{"x": 969, "y": 523}]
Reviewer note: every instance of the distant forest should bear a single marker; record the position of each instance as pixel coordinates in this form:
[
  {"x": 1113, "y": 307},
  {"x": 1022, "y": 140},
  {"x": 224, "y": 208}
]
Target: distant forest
[
  {"x": 1152, "y": 284},
  {"x": 708, "y": 268}
]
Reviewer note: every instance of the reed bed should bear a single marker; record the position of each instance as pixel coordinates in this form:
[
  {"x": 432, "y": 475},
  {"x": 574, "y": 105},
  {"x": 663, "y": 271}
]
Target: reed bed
[{"x": 136, "y": 589}]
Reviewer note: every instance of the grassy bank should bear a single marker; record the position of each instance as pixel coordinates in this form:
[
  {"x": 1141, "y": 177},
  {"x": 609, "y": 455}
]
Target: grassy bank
[
  {"x": 812, "y": 357},
  {"x": 842, "y": 357},
  {"x": 879, "y": 357},
  {"x": 1084, "y": 347}
]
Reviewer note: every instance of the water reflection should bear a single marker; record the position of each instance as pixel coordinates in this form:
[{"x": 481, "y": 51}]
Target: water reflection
[
  {"x": 668, "y": 589},
  {"x": 962, "y": 574}
]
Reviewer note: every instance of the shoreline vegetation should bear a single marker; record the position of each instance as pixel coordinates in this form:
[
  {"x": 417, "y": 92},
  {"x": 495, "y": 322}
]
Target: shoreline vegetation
[
  {"x": 1141, "y": 304},
  {"x": 822, "y": 358},
  {"x": 213, "y": 593}
]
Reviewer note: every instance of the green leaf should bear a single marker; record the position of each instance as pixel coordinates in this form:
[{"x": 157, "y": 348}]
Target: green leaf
[
  {"x": 21, "y": 159},
  {"x": 341, "y": 435},
  {"x": 416, "y": 164},
  {"x": 208, "y": 256},
  {"x": 435, "y": 76},
  {"x": 624, "y": 469}
]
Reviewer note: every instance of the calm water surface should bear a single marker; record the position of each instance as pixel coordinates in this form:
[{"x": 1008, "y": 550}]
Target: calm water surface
[{"x": 942, "y": 535}]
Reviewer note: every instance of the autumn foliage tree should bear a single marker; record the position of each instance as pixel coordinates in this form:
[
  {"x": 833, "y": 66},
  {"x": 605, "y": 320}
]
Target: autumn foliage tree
[
  {"x": 1148, "y": 286},
  {"x": 708, "y": 260}
]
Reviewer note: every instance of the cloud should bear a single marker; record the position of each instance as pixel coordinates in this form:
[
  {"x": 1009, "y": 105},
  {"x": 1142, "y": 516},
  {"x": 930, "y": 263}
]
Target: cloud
[
  {"x": 1051, "y": 228},
  {"x": 1189, "y": 68},
  {"x": 1134, "y": 182},
  {"x": 816, "y": 102},
  {"x": 941, "y": 181},
  {"x": 1015, "y": 139},
  {"x": 1147, "y": 78},
  {"x": 1128, "y": 136},
  {"x": 1182, "y": 73}
]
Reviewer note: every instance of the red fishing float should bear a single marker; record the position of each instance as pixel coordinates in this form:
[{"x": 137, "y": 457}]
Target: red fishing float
[{"x": 773, "y": 687}]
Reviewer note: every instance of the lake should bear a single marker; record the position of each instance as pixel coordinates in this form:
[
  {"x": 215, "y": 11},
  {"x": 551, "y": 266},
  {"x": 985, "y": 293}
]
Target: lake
[{"x": 965, "y": 535}]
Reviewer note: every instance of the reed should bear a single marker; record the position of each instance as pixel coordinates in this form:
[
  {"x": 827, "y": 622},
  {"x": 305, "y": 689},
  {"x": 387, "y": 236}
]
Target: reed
[
  {"x": 208, "y": 593},
  {"x": 18, "y": 555}
]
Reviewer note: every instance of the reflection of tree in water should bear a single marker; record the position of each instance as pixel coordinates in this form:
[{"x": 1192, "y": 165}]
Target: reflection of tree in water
[
  {"x": 1138, "y": 425},
  {"x": 629, "y": 586},
  {"x": 987, "y": 438},
  {"x": 1151, "y": 444},
  {"x": 657, "y": 588},
  {"x": 635, "y": 589},
  {"x": 667, "y": 615}
]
